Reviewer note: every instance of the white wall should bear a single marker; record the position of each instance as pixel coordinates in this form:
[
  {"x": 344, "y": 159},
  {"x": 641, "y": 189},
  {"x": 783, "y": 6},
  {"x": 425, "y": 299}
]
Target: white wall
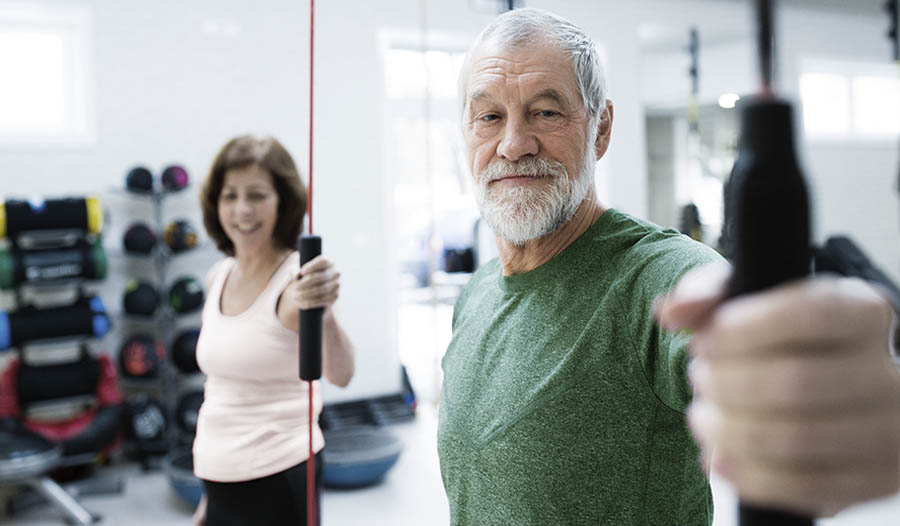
[{"x": 854, "y": 183}]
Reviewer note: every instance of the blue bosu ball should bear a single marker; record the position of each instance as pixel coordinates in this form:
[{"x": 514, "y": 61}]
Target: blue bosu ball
[{"x": 358, "y": 456}]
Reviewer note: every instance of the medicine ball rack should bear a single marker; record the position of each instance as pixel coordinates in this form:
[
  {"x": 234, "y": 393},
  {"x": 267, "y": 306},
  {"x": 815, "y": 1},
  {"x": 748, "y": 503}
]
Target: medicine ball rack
[{"x": 155, "y": 435}]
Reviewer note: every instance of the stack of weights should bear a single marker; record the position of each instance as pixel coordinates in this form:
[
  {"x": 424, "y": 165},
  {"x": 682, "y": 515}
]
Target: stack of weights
[{"x": 53, "y": 245}]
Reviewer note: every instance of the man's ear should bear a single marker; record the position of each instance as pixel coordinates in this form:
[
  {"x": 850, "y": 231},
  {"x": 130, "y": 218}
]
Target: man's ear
[{"x": 604, "y": 130}]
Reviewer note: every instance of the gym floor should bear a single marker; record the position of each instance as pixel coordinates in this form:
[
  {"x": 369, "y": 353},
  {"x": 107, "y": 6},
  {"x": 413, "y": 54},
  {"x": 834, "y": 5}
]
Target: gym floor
[{"x": 411, "y": 495}]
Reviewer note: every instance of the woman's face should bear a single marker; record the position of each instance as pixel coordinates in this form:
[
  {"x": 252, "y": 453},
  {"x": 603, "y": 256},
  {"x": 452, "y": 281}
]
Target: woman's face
[{"x": 248, "y": 208}]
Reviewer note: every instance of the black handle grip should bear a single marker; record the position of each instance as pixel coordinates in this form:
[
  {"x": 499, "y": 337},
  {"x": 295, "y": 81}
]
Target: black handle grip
[
  {"x": 310, "y": 246},
  {"x": 771, "y": 227}
]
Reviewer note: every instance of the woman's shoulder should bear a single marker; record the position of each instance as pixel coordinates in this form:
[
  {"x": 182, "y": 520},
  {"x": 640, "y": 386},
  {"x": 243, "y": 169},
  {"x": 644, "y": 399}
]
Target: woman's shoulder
[
  {"x": 214, "y": 271},
  {"x": 287, "y": 270}
]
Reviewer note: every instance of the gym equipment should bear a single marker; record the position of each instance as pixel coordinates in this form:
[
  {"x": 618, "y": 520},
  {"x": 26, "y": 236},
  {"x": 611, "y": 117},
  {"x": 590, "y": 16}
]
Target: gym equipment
[
  {"x": 180, "y": 236},
  {"x": 187, "y": 411},
  {"x": 310, "y": 319},
  {"x": 184, "y": 351},
  {"x": 140, "y": 298},
  {"x": 140, "y": 356},
  {"x": 85, "y": 317},
  {"x": 25, "y": 458},
  {"x": 72, "y": 213},
  {"x": 146, "y": 424},
  {"x": 174, "y": 178},
  {"x": 358, "y": 456},
  {"x": 771, "y": 212},
  {"x": 139, "y": 239},
  {"x": 139, "y": 180},
  {"x": 310, "y": 323},
  {"x": 841, "y": 255},
  {"x": 88, "y": 262},
  {"x": 459, "y": 259},
  {"x": 186, "y": 295},
  {"x": 179, "y": 466},
  {"x": 86, "y": 389}
]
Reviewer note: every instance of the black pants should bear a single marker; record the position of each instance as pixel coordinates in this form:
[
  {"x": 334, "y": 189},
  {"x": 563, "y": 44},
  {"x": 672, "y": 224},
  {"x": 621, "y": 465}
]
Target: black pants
[{"x": 276, "y": 500}]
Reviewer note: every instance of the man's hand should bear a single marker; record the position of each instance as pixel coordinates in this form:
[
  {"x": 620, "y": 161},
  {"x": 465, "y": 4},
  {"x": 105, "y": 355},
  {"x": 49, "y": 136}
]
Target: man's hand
[{"x": 794, "y": 388}]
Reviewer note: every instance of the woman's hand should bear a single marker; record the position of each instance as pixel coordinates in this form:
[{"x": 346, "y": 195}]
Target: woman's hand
[{"x": 316, "y": 285}]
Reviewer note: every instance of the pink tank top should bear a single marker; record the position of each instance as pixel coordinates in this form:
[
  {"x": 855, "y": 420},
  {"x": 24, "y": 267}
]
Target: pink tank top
[{"x": 253, "y": 421}]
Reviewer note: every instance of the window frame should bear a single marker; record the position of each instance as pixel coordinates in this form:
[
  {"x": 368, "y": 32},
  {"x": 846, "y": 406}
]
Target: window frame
[{"x": 73, "y": 24}]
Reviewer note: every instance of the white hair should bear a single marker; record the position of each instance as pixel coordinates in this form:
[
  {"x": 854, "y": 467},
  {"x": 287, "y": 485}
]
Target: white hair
[{"x": 520, "y": 28}]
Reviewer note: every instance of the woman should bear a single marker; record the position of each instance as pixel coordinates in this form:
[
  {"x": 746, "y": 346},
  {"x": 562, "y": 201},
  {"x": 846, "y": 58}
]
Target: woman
[{"x": 252, "y": 439}]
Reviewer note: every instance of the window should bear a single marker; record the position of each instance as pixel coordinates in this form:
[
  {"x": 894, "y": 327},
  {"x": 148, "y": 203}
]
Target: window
[
  {"x": 434, "y": 210},
  {"x": 850, "y": 100},
  {"x": 44, "y": 57}
]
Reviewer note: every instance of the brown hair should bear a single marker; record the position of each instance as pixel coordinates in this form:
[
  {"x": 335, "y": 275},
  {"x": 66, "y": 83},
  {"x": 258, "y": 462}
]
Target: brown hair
[{"x": 269, "y": 154}]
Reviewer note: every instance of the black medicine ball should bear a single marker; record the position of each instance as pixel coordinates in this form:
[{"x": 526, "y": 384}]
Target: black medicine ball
[
  {"x": 139, "y": 239},
  {"x": 139, "y": 180},
  {"x": 184, "y": 351},
  {"x": 145, "y": 419},
  {"x": 140, "y": 298},
  {"x": 140, "y": 356},
  {"x": 188, "y": 411},
  {"x": 174, "y": 178},
  {"x": 180, "y": 236},
  {"x": 186, "y": 295}
]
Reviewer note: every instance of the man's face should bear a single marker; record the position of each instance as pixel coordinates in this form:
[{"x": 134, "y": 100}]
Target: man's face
[{"x": 528, "y": 139}]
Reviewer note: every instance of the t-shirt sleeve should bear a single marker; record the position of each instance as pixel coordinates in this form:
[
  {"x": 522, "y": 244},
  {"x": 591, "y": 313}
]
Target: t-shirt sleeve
[{"x": 664, "y": 355}]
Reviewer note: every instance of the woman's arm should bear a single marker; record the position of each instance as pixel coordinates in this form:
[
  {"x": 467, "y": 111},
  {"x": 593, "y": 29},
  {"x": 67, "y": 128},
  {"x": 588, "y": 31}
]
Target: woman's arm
[
  {"x": 337, "y": 351},
  {"x": 317, "y": 285}
]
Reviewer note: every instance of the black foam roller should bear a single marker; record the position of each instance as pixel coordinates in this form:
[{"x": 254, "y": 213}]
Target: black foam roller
[
  {"x": 85, "y": 317},
  {"x": 310, "y": 319},
  {"x": 771, "y": 229},
  {"x": 82, "y": 213}
]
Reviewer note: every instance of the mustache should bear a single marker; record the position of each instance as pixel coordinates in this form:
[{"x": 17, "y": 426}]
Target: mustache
[{"x": 527, "y": 168}]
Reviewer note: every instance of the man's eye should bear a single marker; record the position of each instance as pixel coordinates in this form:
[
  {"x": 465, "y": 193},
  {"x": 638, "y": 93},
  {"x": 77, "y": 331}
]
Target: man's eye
[
  {"x": 489, "y": 117},
  {"x": 548, "y": 114}
]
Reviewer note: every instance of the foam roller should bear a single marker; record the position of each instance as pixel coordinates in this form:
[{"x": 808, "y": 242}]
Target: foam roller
[
  {"x": 86, "y": 317},
  {"x": 88, "y": 262},
  {"x": 81, "y": 213}
]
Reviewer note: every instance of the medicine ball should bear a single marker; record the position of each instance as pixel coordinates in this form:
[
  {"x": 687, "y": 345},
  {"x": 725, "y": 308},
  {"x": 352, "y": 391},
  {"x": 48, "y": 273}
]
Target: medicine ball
[
  {"x": 139, "y": 180},
  {"x": 180, "y": 236},
  {"x": 140, "y": 298},
  {"x": 145, "y": 419},
  {"x": 184, "y": 351},
  {"x": 140, "y": 356},
  {"x": 139, "y": 239},
  {"x": 174, "y": 178},
  {"x": 186, "y": 295},
  {"x": 188, "y": 410}
]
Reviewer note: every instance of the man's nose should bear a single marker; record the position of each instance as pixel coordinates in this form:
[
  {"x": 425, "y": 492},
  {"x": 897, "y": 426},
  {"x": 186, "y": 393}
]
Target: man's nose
[{"x": 518, "y": 141}]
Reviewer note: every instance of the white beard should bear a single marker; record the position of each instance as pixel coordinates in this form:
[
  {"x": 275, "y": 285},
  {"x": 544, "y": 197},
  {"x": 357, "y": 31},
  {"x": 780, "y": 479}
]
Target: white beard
[{"x": 521, "y": 214}]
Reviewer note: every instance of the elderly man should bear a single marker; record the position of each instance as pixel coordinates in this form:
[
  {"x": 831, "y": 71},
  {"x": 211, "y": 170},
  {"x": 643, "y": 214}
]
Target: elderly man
[{"x": 564, "y": 402}]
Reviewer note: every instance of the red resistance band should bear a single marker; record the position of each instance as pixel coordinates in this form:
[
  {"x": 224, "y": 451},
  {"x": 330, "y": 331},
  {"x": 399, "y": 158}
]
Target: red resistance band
[{"x": 311, "y": 462}]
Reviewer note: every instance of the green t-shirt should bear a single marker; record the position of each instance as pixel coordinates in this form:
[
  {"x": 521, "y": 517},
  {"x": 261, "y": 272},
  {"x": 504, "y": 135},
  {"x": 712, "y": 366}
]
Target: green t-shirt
[{"x": 563, "y": 402}]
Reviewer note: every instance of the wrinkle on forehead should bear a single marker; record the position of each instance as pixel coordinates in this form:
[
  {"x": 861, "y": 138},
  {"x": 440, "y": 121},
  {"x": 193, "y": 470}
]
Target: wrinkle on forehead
[{"x": 529, "y": 67}]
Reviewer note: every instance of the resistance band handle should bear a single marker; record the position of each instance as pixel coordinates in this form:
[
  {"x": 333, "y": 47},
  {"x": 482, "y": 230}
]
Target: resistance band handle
[
  {"x": 310, "y": 246},
  {"x": 771, "y": 228}
]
